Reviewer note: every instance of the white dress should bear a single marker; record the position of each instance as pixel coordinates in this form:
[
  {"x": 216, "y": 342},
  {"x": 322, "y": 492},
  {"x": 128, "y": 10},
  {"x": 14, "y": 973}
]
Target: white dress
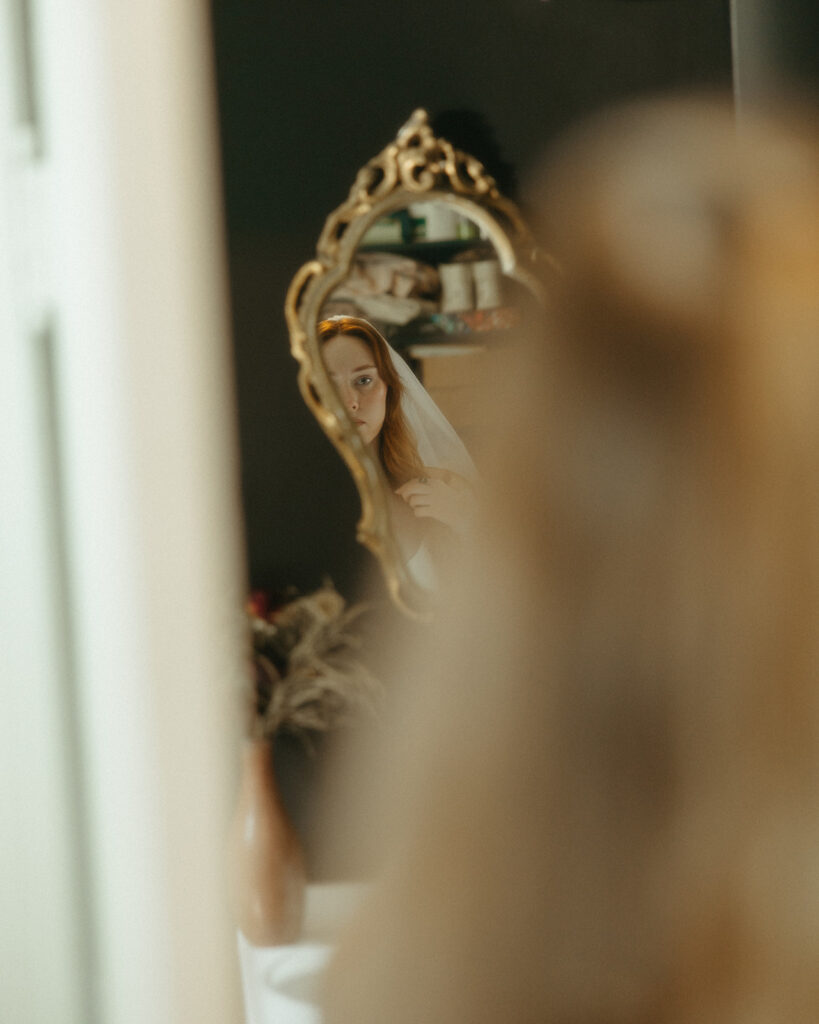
[{"x": 421, "y": 568}]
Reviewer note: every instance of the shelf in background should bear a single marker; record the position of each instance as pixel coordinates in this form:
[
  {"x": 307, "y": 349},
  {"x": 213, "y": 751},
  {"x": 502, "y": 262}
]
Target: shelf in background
[{"x": 432, "y": 252}]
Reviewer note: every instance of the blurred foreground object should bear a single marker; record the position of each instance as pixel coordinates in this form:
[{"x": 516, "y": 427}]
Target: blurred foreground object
[{"x": 601, "y": 793}]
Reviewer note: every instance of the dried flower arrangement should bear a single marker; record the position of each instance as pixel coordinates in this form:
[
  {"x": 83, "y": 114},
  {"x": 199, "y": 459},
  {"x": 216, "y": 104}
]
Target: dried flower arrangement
[{"x": 309, "y": 676}]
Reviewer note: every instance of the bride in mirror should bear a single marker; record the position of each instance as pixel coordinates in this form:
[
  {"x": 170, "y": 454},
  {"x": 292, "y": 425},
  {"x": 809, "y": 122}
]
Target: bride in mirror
[
  {"x": 431, "y": 474},
  {"x": 411, "y": 512}
]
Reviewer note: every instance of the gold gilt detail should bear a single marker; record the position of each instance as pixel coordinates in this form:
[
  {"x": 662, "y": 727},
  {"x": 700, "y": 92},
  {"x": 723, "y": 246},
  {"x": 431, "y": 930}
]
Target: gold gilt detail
[{"x": 416, "y": 165}]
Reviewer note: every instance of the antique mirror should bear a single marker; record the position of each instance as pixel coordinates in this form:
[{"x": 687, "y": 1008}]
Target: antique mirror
[{"x": 427, "y": 251}]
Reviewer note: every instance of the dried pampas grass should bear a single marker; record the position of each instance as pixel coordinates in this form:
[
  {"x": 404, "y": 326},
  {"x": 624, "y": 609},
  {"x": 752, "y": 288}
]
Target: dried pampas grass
[{"x": 309, "y": 676}]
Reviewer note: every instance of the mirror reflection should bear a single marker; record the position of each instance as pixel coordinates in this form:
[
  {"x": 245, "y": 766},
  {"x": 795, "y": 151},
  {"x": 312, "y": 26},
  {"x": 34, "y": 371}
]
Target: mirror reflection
[
  {"x": 421, "y": 278},
  {"x": 430, "y": 281},
  {"x": 402, "y": 338},
  {"x": 428, "y": 469}
]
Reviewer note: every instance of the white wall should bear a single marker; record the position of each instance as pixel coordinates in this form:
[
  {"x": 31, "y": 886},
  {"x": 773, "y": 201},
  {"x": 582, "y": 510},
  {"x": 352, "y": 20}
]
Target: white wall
[{"x": 121, "y": 578}]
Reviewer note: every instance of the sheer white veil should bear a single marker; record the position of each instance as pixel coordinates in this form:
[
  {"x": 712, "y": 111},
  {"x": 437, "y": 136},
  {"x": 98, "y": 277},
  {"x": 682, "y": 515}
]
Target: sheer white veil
[{"x": 437, "y": 441}]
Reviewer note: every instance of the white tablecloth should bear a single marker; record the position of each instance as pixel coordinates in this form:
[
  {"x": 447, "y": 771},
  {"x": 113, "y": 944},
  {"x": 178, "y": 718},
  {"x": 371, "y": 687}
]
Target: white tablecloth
[{"x": 281, "y": 983}]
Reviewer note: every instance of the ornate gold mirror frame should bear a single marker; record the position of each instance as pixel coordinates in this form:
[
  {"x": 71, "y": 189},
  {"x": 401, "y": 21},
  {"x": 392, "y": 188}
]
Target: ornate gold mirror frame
[{"x": 417, "y": 165}]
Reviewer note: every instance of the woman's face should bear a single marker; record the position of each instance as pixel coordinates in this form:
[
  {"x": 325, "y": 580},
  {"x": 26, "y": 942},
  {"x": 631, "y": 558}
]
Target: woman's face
[{"x": 351, "y": 366}]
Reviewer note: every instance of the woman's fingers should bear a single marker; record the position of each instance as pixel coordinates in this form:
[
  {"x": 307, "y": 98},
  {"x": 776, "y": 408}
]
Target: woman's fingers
[
  {"x": 430, "y": 499},
  {"x": 416, "y": 501},
  {"x": 414, "y": 488},
  {"x": 437, "y": 499}
]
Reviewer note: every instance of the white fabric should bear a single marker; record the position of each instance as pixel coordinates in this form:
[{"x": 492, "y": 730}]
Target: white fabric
[
  {"x": 439, "y": 446},
  {"x": 282, "y": 984},
  {"x": 422, "y": 568}
]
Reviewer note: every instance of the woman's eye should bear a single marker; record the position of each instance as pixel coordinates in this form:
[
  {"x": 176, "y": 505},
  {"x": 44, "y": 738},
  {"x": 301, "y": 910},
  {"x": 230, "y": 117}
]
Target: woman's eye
[{"x": 363, "y": 381}]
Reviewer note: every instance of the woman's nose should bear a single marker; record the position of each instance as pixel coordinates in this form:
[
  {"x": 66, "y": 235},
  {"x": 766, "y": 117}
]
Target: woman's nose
[{"x": 350, "y": 399}]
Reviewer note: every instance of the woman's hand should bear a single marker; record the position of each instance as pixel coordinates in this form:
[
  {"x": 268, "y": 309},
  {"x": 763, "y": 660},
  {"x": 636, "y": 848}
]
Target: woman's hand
[{"x": 447, "y": 497}]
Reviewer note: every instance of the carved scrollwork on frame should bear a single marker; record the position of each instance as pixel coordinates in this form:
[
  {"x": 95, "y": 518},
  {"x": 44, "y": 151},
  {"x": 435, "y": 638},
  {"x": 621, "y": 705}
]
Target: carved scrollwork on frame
[{"x": 416, "y": 166}]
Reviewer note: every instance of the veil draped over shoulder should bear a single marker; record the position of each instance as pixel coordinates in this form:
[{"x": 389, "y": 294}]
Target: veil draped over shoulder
[
  {"x": 437, "y": 441},
  {"x": 437, "y": 445}
]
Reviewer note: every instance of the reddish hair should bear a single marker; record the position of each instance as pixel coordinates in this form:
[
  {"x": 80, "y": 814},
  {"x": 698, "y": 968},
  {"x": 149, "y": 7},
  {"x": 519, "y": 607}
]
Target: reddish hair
[{"x": 396, "y": 444}]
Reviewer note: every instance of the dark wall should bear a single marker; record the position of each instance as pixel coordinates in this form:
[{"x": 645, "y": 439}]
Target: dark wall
[
  {"x": 308, "y": 92},
  {"x": 794, "y": 43}
]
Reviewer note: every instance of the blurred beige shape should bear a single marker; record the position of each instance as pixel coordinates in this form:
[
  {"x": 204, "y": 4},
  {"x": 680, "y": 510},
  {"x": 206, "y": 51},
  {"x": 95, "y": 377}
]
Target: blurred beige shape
[{"x": 599, "y": 797}]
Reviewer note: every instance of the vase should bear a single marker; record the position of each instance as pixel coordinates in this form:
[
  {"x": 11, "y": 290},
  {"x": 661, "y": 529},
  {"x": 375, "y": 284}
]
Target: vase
[{"x": 266, "y": 863}]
